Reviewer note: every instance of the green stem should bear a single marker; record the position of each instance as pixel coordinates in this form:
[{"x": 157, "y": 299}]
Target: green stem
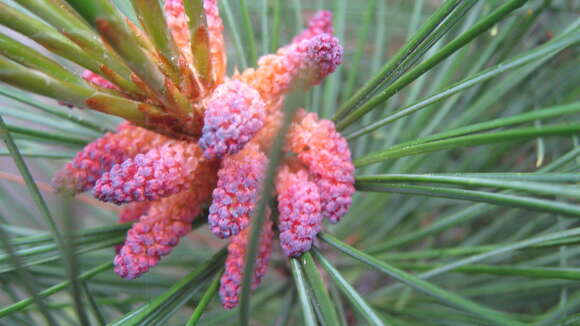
[
  {"x": 199, "y": 38},
  {"x": 55, "y": 111},
  {"x": 531, "y": 272},
  {"x": 205, "y": 299},
  {"x": 27, "y": 281},
  {"x": 240, "y": 56},
  {"x": 259, "y": 214},
  {"x": 442, "y": 54},
  {"x": 275, "y": 40},
  {"x": 113, "y": 28},
  {"x": 420, "y": 285},
  {"x": 177, "y": 295},
  {"x": 54, "y": 289},
  {"x": 543, "y": 52},
  {"x": 60, "y": 15},
  {"x": 471, "y": 140},
  {"x": 153, "y": 21},
  {"x": 325, "y": 305},
  {"x": 247, "y": 26},
  {"x": 349, "y": 292},
  {"x": 30, "y": 183},
  {"x": 46, "y": 136},
  {"x": 533, "y": 187},
  {"x": 46, "y": 36},
  {"x": 27, "y": 56},
  {"x": 303, "y": 295},
  {"x": 477, "y": 196},
  {"x": 390, "y": 67}
]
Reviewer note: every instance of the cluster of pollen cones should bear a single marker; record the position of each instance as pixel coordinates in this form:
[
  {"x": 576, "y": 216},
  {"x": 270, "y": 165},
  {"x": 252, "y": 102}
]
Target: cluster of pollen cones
[{"x": 212, "y": 149}]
